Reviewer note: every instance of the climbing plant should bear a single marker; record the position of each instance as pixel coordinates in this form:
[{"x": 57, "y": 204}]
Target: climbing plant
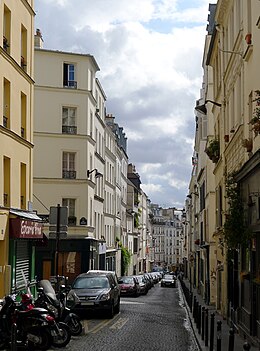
[{"x": 236, "y": 233}]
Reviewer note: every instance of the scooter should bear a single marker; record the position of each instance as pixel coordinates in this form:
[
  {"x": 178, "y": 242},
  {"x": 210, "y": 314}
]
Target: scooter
[
  {"x": 48, "y": 299},
  {"x": 59, "y": 331},
  {"x": 29, "y": 328}
]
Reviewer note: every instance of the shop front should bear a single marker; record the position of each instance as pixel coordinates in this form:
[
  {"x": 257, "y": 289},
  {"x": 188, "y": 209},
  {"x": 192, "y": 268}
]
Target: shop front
[{"x": 25, "y": 231}]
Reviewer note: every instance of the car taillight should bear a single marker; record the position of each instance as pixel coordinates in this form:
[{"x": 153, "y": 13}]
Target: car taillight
[{"x": 49, "y": 318}]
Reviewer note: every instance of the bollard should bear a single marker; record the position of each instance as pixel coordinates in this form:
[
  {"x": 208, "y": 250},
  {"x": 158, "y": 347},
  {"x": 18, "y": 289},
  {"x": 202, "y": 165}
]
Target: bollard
[
  {"x": 194, "y": 306},
  {"x": 212, "y": 325},
  {"x": 206, "y": 327},
  {"x": 202, "y": 322},
  {"x": 191, "y": 298},
  {"x": 13, "y": 337},
  {"x": 231, "y": 340},
  {"x": 219, "y": 323},
  {"x": 246, "y": 346},
  {"x": 199, "y": 319}
]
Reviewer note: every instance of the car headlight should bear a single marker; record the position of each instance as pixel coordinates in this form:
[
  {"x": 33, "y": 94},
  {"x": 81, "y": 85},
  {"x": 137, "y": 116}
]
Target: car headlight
[
  {"x": 105, "y": 297},
  {"x": 72, "y": 298}
]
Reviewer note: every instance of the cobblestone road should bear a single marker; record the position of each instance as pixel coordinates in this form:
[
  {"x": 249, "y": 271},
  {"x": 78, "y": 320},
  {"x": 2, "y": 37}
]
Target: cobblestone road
[{"x": 155, "y": 322}]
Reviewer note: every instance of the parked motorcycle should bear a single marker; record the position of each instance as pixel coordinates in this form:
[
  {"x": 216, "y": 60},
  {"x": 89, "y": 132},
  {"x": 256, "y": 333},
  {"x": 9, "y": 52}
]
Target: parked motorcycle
[
  {"x": 33, "y": 326},
  {"x": 60, "y": 331},
  {"x": 47, "y": 298}
]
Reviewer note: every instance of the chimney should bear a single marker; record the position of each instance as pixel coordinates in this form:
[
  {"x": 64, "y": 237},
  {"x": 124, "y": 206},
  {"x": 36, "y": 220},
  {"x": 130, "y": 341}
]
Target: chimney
[{"x": 38, "y": 41}]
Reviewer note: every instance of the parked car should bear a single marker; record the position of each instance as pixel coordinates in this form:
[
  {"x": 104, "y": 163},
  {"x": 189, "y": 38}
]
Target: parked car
[
  {"x": 103, "y": 271},
  {"x": 96, "y": 292},
  {"x": 129, "y": 286},
  {"x": 143, "y": 283},
  {"x": 169, "y": 280},
  {"x": 150, "y": 279}
]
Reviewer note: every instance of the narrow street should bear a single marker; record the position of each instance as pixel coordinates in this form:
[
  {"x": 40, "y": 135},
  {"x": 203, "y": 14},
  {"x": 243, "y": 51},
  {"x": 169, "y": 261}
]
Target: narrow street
[{"x": 157, "y": 321}]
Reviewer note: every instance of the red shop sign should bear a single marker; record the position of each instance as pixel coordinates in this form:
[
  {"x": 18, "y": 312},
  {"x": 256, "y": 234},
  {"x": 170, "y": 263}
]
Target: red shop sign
[{"x": 25, "y": 229}]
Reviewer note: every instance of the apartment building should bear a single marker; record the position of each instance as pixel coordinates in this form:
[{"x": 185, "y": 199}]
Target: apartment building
[
  {"x": 69, "y": 160},
  {"x": 20, "y": 227},
  {"x": 167, "y": 234},
  {"x": 230, "y": 100}
]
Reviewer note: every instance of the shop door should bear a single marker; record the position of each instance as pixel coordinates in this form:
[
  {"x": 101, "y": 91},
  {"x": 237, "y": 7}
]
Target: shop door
[
  {"x": 22, "y": 265},
  {"x": 46, "y": 270}
]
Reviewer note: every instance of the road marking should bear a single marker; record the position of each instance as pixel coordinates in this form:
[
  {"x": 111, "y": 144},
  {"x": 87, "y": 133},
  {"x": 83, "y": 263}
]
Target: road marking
[
  {"x": 100, "y": 326},
  {"x": 131, "y": 303},
  {"x": 119, "y": 323}
]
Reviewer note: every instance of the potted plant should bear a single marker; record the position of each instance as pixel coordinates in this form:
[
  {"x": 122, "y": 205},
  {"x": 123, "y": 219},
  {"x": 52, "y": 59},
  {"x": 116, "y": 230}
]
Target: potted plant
[
  {"x": 255, "y": 121},
  {"x": 248, "y": 144},
  {"x": 213, "y": 150},
  {"x": 248, "y": 38}
]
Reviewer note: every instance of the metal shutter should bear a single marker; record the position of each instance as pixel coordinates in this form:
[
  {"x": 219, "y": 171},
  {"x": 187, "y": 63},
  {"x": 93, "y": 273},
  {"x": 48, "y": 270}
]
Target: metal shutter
[{"x": 22, "y": 262}]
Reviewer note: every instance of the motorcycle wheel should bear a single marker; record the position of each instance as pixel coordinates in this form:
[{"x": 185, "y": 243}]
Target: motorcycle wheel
[
  {"x": 75, "y": 326},
  {"x": 44, "y": 339},
  {"x": 64, "y": 338}
]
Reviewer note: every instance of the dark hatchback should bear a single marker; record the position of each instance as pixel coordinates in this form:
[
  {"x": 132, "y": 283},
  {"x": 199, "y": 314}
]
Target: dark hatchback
[{"x": 95, "y": 292}]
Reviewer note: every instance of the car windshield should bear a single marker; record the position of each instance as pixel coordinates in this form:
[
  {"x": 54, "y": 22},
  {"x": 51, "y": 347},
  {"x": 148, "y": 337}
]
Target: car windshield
[
  {"x": 126, "y": 280},
  {"x": 169, "y": 277},
  {"x": 91, "y": 283}
]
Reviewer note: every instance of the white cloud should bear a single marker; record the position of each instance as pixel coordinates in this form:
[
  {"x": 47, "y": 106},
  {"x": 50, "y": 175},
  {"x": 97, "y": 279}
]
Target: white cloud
[{"x": 150, "y": 55}]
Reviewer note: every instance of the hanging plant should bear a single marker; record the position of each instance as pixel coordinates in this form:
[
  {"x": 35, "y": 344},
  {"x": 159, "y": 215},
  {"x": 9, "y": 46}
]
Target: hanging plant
[
  {"x": 236, "y": 233},
  {"x": 213, "y": 150}
]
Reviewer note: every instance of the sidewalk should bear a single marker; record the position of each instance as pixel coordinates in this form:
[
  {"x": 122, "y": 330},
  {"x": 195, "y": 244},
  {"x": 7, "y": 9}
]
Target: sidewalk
[{"x": 239, "y": 341}]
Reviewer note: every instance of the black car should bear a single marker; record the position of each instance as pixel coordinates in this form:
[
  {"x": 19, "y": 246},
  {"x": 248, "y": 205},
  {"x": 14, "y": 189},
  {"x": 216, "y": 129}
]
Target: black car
[{"x": 96, "y": 292}]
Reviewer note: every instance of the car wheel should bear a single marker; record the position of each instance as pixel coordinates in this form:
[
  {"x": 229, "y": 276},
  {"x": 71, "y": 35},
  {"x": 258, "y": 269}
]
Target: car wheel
[
  {"x": 111, "y": 310},
  {"x": 117, "y": 307}
]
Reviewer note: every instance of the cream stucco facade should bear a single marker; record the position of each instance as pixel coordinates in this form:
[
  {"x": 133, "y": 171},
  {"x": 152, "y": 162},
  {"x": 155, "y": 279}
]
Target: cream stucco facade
[{"x": 16, "y": 131}]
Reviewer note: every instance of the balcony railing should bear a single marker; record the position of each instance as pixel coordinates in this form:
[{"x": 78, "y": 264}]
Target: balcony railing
[
  {"x": 22, "y": 132},
  {"x": 70, "y": 84},
  {"x": 69, "y": 174},
  {"x": 5, "y": 43},
  {"x": 5, "y": 122},
  {"x": 23, "y": 63},
  {"x": 5, "y": 199},
  {"x": 69, "y": 129}
]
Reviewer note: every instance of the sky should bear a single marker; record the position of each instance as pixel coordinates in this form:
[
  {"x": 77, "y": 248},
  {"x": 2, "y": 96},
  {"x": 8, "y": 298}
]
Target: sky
[{"x": 150, "y": 58}]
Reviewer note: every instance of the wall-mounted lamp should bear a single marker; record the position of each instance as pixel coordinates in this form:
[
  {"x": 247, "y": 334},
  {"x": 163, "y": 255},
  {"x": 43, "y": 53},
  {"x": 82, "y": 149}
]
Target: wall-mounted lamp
[
  {"x": 131, "y": 212},
  {"x": 97, "y": 174},
  {"x": 203, "y": 109}
]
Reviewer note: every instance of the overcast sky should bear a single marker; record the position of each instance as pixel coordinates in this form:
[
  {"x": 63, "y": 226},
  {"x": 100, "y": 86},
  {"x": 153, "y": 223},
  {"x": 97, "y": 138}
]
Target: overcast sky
[{"x": 149, "y": 53}]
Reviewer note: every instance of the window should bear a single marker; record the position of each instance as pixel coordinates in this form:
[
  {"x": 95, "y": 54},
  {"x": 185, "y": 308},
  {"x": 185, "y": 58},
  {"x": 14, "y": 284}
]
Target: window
[
  {"x": 68, "y": 165},
  {"x": 23, "y": 47},
  {"x": 6, "y": 105},
  {"x": 69, "y": 76},
  {"x": 7, "y": 29},
  {"x": 7, "y": 177},
  {"x": 69, "y": 120},
  {"x": 23, "y": 186},
  {"x": 23, "y": 115},
  {"x": 70, "y": 203}
]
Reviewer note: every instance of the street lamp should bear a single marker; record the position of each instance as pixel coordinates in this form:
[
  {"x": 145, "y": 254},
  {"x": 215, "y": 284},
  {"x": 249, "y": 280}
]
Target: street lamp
[
  {"x": 203, "y": 109},
  {"x": 97, "y": 174}
]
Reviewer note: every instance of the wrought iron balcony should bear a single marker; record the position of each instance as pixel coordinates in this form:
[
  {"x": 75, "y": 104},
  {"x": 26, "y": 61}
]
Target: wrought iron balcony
[
  {"x": 69, "y": 174},
  {"x": 70, "y": 84},
  {"x": 5, "y": 122},
  {"x": 69, "y": 130}
]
